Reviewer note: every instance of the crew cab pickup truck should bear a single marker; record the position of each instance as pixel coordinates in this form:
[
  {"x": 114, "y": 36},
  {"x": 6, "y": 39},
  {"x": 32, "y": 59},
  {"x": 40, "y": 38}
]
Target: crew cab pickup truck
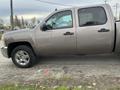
[{"x": 79, "y": 30}]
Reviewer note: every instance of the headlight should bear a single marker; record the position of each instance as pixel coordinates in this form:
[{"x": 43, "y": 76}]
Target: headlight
[{"x": 2, "y": 41}]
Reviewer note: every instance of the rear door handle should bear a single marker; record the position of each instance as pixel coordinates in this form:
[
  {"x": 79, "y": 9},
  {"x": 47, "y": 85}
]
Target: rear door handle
[
  {"x": 69, "y": 33},
  {"x": 103, "y": 30}
]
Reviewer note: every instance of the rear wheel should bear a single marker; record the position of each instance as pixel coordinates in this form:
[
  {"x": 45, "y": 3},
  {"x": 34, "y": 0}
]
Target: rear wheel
[{"x": 23, "y": 56}]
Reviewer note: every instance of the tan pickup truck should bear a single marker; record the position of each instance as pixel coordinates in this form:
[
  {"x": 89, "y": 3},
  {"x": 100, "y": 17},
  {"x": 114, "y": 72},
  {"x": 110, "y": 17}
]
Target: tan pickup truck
[{"x": 80, "y": 30}]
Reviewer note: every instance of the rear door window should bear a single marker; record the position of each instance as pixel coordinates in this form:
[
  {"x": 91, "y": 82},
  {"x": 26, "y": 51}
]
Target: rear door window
[{"x": 92, "y": 16}]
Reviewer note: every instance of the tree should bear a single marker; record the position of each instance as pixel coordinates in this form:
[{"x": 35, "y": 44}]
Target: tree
[
  {"x": 26, "y": 23},
  {"x": 1, "y": 24},
  {"x": 106, "y": 1},
  {"x": 17, "y": 22},
  {"x": 22, "y": 22},
  {"x": 33, "y": 20},
  {"x": 119, "y": 15},
  {"x": 38, "y": 21}
]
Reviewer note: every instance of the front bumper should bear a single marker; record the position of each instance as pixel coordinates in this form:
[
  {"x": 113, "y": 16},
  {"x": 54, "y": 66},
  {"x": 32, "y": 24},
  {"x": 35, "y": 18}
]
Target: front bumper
[{"x": 4, "y": 51}]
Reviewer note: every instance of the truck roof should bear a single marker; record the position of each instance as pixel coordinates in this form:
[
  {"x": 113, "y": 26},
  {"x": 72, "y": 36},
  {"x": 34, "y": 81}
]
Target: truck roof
[{"x": 86, "y": 6}]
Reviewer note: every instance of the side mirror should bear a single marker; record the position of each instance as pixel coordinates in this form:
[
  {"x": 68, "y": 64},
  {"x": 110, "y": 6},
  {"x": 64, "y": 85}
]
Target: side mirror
[{"x": 45, "y": 27}]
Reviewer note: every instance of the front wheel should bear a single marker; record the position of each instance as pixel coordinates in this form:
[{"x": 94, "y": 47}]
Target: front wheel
[{"x": 23, "y": 56}]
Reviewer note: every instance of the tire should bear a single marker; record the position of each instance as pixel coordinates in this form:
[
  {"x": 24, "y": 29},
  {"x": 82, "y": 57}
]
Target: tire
[{"x": 23, "y": 56}]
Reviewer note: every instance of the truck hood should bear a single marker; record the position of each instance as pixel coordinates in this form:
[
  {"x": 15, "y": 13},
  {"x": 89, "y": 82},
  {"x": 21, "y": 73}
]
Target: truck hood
[
  {"x": 18, "y": 35},
  {"x": 17, "y": 32}
]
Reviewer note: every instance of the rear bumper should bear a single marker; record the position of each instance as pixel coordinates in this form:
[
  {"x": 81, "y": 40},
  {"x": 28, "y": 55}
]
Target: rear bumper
[{"x": 4, "y": 51}]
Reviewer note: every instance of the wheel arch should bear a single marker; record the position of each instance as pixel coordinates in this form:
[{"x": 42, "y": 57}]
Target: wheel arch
[{"x": 13, "y": 45}]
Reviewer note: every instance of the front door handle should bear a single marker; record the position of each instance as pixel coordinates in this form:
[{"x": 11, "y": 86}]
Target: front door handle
[
  {"x": 69, "y": 33},
  {"x": 103, "y": 30}
]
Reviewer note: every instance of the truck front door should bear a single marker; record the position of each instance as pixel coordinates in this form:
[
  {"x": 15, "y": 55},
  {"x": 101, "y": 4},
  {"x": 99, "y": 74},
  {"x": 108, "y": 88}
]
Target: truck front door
[{"x": 61, "y": 38}]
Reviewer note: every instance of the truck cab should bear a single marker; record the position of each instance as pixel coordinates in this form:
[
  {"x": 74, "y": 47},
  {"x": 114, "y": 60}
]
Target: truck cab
[{"x": 79, "y": 30}]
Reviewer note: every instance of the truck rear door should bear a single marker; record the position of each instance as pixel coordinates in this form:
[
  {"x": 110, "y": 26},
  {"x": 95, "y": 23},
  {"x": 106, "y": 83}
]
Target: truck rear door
[{"x": 95, "y": 32}]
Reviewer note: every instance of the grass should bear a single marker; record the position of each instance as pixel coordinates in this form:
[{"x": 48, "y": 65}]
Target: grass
[
  {"x": 117, "y": 88},
  {"x": 37, "y": 87},
  {"x": 34, "y": 87}
]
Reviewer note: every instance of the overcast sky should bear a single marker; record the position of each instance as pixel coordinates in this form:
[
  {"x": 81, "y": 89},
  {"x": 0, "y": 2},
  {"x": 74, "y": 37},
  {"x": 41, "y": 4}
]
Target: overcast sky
[{"x": 31, "y": 8}]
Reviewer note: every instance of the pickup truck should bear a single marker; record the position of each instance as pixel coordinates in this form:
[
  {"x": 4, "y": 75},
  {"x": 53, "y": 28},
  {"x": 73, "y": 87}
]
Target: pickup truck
[{"x": 79, "y": 30}]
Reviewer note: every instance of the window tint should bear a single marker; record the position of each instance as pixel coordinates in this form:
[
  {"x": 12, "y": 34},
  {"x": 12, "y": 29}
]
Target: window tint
[
  {"x": 92, "y": 16},
  {"x": 61, "y": 20}
]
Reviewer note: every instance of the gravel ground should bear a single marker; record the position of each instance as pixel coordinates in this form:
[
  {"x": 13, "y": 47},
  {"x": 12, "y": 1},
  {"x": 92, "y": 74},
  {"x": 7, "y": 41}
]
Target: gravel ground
[{"x": 69, "y": 70}]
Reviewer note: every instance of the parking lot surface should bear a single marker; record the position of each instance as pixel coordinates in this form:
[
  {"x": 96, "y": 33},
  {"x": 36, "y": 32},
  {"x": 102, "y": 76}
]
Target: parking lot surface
[{"x": 102, "y": 69}]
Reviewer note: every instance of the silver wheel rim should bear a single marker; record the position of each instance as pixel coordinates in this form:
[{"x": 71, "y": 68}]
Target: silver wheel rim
[{"x": 22, "y": 57}]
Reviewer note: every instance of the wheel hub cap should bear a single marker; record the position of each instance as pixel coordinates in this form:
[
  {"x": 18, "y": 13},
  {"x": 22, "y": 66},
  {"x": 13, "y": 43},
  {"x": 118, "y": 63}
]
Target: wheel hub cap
[{"x": 22, "y": 57}]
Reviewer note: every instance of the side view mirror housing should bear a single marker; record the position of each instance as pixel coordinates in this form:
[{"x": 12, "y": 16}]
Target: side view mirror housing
[{"x": 45, "y": 27}]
